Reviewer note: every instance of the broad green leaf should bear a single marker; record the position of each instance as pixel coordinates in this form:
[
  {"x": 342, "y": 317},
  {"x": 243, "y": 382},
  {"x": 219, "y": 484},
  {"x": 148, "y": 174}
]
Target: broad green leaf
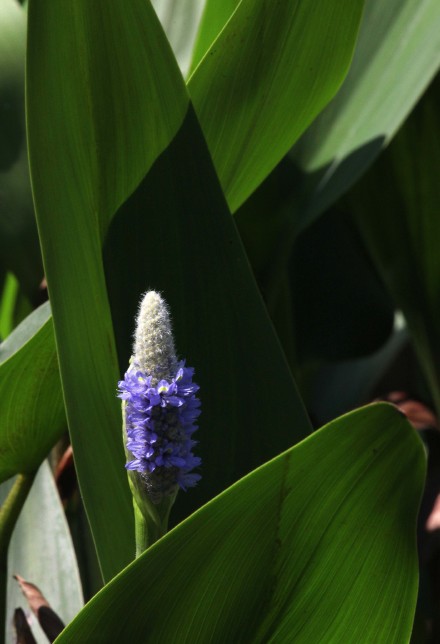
[
  {"x": 397, "y": 55},
  {"x": 182, "y": 242},
  {"x": 19, "y": 249},
  {"x": 104, "y": 98},
  {"x": 122, "y": 110},
  {"x": 318, "y": 545},
  {"x": 398, "y": 39},
  {"x": 41, "y": 551},
  {"x": 271, "y": 70},
  {"x": 180, "y": 20},
  {"x": 32, "y": 414},
  {"x": 214, "y": 18},
  {"x": 396, "y": 208}
]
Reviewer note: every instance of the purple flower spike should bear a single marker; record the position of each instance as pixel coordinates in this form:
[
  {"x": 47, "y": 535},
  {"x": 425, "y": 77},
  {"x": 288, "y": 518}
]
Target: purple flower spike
[{"x": 161, "y": 407}]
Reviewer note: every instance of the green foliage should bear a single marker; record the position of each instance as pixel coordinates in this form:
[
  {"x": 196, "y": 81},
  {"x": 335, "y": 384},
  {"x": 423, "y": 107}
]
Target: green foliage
[
  {"x": 212, "y": 295},
  {"x": 313, "y": 546},
  {"x": 264, "y": 79},
  {"x": 99, "y": 146},
  {"x": 32, "y": 414},
  {"x": 135, "y": 174},
  {"x": 19, "y": 248},
  {"x": 396, "y": 57},
  {"x": 45, "y": 556},
  {"x": 402, "y": 228},
  {"x": 180, "y": 20}
]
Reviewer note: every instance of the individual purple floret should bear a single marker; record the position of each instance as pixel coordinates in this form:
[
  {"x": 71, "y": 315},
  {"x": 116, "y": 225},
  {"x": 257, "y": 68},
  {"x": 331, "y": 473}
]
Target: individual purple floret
[{"x": 160, "y": 422}]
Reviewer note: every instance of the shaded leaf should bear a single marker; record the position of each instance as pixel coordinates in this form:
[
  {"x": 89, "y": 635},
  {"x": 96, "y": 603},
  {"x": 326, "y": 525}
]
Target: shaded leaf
[
  {"x": 338, "y": 388},
  {"x": 111, "y": 114},
  {"x": 195, "y": 258},
  {"x": 396, "y": 57},
  {"x": 341, "y": 309},
  {"x": 396, "y": 209},
  {"x": 19, "y": 247}
]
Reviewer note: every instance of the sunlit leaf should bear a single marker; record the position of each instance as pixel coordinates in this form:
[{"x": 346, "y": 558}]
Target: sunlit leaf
[
  {"x": 32, "y": 414},
  {"x": 265, "y": 78},
  {"x": 318, "y": 545},
  {"x": 214, "y": 18},
  {"x": 397, "y": 55}
]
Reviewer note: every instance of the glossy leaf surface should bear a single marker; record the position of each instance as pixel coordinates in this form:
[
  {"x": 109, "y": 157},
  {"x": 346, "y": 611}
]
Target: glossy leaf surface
[
  {"x": 265, "y": 78},
  {"x": 318, "y": 545},
  {"x": 396, "y": 57}
]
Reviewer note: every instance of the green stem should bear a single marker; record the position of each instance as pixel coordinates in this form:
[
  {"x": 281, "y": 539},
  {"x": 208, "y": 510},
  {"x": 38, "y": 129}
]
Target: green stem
[
  {"x": 152, "y": 524},
  {"x": 146, "y": 531},
  {"x": 9, "y": 513}
]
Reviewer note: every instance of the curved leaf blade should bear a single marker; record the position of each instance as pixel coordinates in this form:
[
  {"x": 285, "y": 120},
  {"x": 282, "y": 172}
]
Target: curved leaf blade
[
  {"x": 396, "y": 209},
  {"x": 195, "y": 258},
  {"x": 41, "y": 550},
  {"x": 315, "y": 545},
  {"x": 265, "y": 78},
  {"x": 114, "y": 97},
  {"x": 396, "y": 57},
  {"x": 32, "y": 414}
]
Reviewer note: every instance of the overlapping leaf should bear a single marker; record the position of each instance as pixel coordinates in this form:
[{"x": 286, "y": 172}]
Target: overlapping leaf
[
  {"x": 397, "y": 55},
  {"x": 32, "y": 414},
  {"x": 396, "y": 207},
  {"x": 214, "y": 18},
  {"x": 265, "y": 78},
  {"x": 180, "y": 20},
  {"x": 104, "y": 98},
  {"x": 41, "y": 550},
  {"x": 318, "y": 545},
  {"x": 183, "y": 242}
]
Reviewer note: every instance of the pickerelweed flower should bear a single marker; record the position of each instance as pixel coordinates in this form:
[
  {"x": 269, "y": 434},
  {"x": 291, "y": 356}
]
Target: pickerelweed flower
[{"x": 161, "y": 406}]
